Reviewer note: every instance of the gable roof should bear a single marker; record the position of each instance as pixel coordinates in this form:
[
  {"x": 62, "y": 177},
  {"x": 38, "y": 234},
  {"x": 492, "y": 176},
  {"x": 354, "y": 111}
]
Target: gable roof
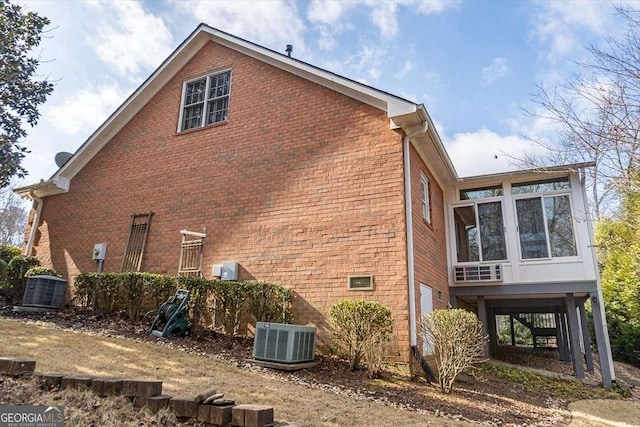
[{"x": 402, "y": 113}]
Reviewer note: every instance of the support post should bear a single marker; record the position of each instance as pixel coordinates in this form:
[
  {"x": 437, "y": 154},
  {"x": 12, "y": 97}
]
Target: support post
[
  {"x": 513, "y": 331},
  {"x": 586, "y": 340},
  {"x": 453, "y": 301},
  {"x": 561, "y": 336},
  {"x": 493, "y": 332},
  {"x": 602, "y": 340},
  {"x": 574, "y": 336},
  {"x": 482, "y": 316}
]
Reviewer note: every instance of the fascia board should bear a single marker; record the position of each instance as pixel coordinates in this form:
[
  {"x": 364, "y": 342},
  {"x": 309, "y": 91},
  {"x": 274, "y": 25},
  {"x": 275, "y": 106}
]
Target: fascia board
[
  {"x": 523, "y": 175},
  {"x": 43, "y": 188}
]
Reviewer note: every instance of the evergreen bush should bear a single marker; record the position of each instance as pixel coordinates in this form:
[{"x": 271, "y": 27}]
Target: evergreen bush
[{"x": 360, "y": 330}]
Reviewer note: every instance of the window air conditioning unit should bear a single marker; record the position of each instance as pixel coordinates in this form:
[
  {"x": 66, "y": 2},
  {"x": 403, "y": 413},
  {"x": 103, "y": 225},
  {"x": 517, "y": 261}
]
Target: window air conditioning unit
[
  {"x": 282, "y": 343},
  {"x": 44, "y": 292},
  {"x": 478, "y": 273}
]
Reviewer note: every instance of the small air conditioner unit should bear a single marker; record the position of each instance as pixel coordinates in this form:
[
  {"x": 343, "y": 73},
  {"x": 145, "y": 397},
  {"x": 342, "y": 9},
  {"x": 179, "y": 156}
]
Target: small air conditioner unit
[
  {"x": 279, "y": 342},
  {"x": 44, "y": 292},
  {"x": 477, "y": 273}
]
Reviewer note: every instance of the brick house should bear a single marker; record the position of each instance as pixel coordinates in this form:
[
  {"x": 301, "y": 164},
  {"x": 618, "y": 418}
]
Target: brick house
[{"x": 299, "y": 176}]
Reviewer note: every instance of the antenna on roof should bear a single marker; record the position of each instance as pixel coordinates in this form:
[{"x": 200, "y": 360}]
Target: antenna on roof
[
  {"x": 289, "y": 49},
  {"x": 62, "y": 157}
]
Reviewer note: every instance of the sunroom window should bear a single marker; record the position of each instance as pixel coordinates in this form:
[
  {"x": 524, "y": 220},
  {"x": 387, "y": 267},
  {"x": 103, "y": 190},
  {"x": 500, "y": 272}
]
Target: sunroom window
[
  {"x": 545, "y": 224},
  {"x": 205, "y": 101},
  {"x": 479, "y": 232},
  {"x": 481, "y": 193}
]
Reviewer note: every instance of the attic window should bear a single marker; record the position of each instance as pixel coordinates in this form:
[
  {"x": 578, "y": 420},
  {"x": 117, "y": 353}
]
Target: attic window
[{"x": 205, "y": 101}]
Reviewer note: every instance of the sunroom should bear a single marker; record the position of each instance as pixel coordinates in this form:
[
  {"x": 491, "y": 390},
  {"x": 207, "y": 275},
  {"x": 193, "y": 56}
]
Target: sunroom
[{"x": 520, "y": 245}]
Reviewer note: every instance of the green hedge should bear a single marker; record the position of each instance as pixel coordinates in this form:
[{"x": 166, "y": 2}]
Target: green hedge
[
  {"x": 16, "y": 281},
  {"x": 221, "y": 303},
  {"x": 135, "y": 293},
  {"x": 41, "y": 271},
  {"x": 8, "y": 252}
]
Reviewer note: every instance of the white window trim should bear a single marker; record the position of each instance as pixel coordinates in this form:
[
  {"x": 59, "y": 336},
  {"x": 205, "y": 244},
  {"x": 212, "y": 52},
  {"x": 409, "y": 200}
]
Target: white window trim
[
  {"x": 425, "y": 193},
  {"x": 540, "y": 196},
  {"x": 475, "y": 203},
  {"x": 205, "y": 101}
]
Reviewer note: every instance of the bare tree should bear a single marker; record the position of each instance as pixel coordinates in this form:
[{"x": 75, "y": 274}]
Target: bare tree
[
  {"x": 597, "y": 113},
  {"x": 13, "y": 218}
]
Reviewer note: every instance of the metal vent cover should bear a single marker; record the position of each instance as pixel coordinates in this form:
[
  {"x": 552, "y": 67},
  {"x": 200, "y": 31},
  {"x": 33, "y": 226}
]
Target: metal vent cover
[
  {"x": 478, "y": 273},
  {"x": 279, "y": 342},
  {"x": 44, "y": 292},
  {"x": 360, "y": 283}
]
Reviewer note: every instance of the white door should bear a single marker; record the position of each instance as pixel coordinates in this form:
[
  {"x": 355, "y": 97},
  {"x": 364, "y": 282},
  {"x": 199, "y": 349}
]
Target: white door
[{"x": 426, "y": 307}]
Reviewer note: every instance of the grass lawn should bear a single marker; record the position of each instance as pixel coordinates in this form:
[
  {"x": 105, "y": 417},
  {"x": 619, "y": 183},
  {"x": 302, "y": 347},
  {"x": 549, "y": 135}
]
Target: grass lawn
[
  {"x": 185, "y": 375},
  {"x": 327, "y": 395}
]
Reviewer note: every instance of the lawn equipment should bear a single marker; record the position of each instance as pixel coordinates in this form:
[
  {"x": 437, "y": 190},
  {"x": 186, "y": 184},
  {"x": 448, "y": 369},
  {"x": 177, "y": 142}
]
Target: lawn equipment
[{"x": 172, "y": 316}]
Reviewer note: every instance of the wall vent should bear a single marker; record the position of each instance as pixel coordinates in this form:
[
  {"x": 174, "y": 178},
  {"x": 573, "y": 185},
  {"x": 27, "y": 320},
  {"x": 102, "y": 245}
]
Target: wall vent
[
  {"x": 44, "y": 292},
  {"x": 279, "y": 342},
  {"x": 360, "y": 283},
  {"x": 478, "y": 273}
]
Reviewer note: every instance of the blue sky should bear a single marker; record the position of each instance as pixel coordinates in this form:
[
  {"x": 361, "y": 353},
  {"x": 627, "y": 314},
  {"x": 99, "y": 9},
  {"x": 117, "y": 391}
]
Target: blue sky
[{"x": 473, "y": 64}]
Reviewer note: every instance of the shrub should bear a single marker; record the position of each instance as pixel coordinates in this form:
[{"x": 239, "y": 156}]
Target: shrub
[
  {"x": 8, "y": 252},
  {"x": 98, "y": 291},
  {"x": 143, "y": 292},
  {"x": 230, "y": 302},
  {"x": 16, "y": 280},
  {"x": 201, "y": 294},
  {"x": 268, "y": 302},
  {"x": 135, "y": 293},
  {"x": 458, "y": 340},
  {"x": 41, "y": 271},
  {"x": 360, "y": 329}
]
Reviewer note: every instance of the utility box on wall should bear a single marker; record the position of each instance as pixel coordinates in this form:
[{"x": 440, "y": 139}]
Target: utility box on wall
[
  {"x": 99, "y": 251},
  {"x": 229, "y": 271}
]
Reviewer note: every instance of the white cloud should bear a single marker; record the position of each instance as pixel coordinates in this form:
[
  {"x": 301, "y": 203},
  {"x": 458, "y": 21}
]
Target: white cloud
[
  {"x": 484, "y": 151},
  {"x": 328, "y": 11},
  {"x": 274, "y": 23},
  {"x": 384, "y": 16},
  {"x": 559, "y": 26},
  {"x": 496, "y": 70},
  {"x": 407, "y": 67},
  {"x": 365, "y": 66},
  {"x": 129, "y": 39},
  {"x": 327, "y": 14},
  {"x": 85, "y": 110},
  {"x": 436, "y": 6}
]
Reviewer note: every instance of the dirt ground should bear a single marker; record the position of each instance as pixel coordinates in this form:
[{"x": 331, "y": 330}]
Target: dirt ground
[{"x": 333, "y": 395}]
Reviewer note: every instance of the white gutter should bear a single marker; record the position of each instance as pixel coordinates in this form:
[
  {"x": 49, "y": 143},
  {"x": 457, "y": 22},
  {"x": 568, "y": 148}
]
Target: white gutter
[
  {"x": 34, "y": 224},
  {"x": 408, "y": 207}
]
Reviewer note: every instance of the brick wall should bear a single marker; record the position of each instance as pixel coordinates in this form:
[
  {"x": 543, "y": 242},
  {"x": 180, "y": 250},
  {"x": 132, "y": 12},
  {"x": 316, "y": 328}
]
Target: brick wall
[
  {"x": 302, "y": 186},
  {"x": 430, "y": 257}
]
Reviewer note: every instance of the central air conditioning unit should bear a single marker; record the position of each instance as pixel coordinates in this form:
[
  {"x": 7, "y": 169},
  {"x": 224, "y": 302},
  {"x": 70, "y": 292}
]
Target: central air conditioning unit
[
  {"x": 44, "y": 292},
  {"x": 477, "y": 273},
  {"x": 279, "y": 342}
]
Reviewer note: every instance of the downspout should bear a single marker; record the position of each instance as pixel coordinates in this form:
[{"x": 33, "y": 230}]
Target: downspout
[
  {"x": 34, "y": 224},
  {"x": 408, "y": 207}
]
